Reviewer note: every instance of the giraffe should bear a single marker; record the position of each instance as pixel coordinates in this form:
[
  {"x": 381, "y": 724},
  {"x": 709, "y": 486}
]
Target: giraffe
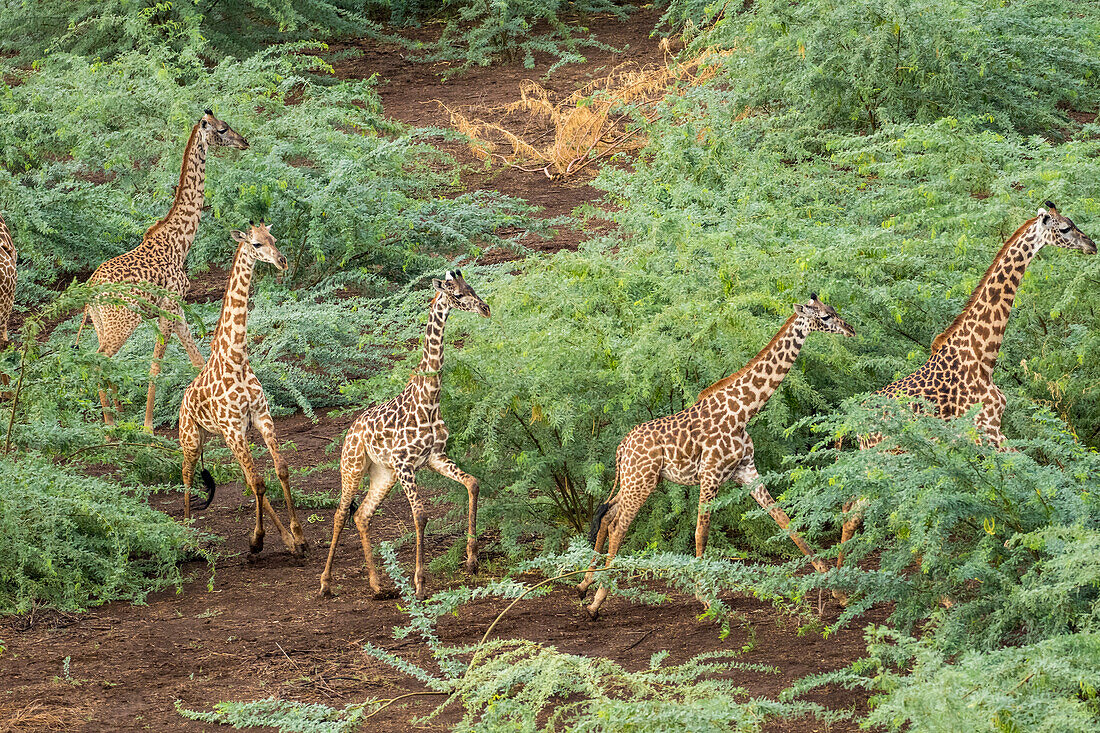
[
  {"x": 8, "y": 257},
  {"x": 706, "y": 444},
  {"x": 227, "y": 397},
  {"x": 392, "y": 440},
  {"x": 159, "y": 260},
  {"x": 959, "y": 372}
]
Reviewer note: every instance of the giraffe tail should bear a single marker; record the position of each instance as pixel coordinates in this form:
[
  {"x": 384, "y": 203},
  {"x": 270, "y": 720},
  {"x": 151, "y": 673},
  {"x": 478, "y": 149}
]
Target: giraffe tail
[
  {"x": 607, "y": 506},
  {"x": 597, "y": 519},
  {"x": 79, "y": 330},
  {"x": 208, "y": 483}
]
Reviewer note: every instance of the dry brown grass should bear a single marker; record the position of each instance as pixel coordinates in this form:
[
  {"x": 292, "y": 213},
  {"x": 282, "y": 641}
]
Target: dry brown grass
[
  {"x": 562, "y": 138},
  {"x": 35, "y": 717}
]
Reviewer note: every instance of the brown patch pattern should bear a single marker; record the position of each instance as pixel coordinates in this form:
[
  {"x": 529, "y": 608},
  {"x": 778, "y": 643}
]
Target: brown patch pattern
[
  {"x": 391, "y": 441},
  {"x": 227, "y": 398},
  {"x": 159, "y": 261},
  {"x": 707, "y": 444}
]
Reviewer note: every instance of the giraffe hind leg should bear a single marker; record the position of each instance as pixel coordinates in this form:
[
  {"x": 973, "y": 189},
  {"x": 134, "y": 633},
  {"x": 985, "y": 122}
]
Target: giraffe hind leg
[
  {"x": 382, "y": 480},
  {"x": 353, "y": 462},
  {"x": 636, "y": 484},
  {"x": 601, "y": 521}
]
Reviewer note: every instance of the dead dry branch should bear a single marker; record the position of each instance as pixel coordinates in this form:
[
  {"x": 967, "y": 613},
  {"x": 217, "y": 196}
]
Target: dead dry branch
[{"x": 601, "y": 119}]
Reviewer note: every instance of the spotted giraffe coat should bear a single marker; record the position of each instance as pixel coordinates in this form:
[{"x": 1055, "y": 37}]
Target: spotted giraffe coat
[{"x": 8, "y": 258}]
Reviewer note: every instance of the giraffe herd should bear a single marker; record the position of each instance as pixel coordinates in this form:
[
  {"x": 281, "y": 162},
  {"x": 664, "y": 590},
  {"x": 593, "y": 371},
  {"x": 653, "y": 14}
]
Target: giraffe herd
[{"x": 705, "y": 444}]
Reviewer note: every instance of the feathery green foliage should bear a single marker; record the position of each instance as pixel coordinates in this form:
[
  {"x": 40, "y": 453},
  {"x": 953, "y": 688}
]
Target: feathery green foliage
[{"x": 70, "y": 541}]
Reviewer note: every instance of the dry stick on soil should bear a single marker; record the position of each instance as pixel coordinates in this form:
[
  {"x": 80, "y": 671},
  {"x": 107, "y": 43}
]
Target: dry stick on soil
[{"x": 587, "y": 126}]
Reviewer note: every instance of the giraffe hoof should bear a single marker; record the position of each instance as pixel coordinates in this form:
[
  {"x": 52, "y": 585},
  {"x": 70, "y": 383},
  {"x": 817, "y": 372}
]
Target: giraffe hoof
[
  {"x": 255, "y": 544},
  {"x": 582, "y": 591},
  {"x": 325, "y": 592},
  {"x": 593, "y": 614},
  {"x": 841, "y": 597},
  {"x": 472, "y": 566}
]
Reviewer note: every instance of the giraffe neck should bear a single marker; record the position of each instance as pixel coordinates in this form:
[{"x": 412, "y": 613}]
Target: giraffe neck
[
  {"x": 757, "y": 381},
  {"x": 183, "y": 218},
  {"x": 432, "y": 360},
  {"x": 431, "y": 363},
  {"x": 980, "y": 328},
  {"x": 231, "y": 336}
]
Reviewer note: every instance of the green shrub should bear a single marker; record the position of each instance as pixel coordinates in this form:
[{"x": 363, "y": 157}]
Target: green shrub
[
  {"x": 1008, "y": 542},
  {"x": 91, "y": 150},
  {"x": 70, "y": 541},
  {"x": 856, "y": 64}
]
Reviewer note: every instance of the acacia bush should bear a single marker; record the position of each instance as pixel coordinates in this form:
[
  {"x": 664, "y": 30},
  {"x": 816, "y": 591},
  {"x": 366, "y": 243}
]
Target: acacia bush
[
  {"x": 480, "y": 32},
  {"x": 345, "y": 190},
  {"x": 856, "y": 64},
  {"x": 184, "y": 28},
  {"x": 70, "y": 541}
]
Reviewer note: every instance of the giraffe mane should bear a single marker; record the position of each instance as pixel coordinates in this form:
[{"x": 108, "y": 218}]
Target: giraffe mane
[
  {"x": 179, "y": 186},
  {"x": 939, "y": 341},
  {"x": 727, "y": 381}
]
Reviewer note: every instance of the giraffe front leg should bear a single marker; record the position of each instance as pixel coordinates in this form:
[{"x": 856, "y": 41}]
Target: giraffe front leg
[
  {"x": 407, "y": 478},
  {"x": 263, "y": 422},
  {"x": 239, "y": 445},
  {"x": 444, "y": 466},
  {"x": 154, "y": 370},
  {"x": 989, "y": 417},
  {"x": 747, "y": 476}
]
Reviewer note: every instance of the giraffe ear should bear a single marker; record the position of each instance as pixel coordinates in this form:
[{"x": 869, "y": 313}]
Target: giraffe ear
[
  {"x": 204, "y": 124},
  {"x": 437, "y": 284},
  {"x": 238, "y": 236},
  {"x": 799, "y": 309},
  {"x": 1043, "y": 216}
]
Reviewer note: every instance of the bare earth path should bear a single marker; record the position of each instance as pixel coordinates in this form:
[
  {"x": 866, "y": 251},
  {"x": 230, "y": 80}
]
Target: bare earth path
[{"x": 262, "y": 631}]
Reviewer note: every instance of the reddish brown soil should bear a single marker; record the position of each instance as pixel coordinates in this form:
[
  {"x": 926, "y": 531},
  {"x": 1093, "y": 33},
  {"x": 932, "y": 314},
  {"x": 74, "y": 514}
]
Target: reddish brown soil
[
  {"x": 415, "y": 94},
  {"x": 263, "y": 631}
]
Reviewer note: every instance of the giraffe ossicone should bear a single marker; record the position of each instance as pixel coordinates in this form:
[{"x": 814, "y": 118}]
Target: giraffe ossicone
[
  {"x": 706, "y": 444},
  {"x": 958, "y": 374},
  {"x": 159, "y": 260},
  {"x": 226, "y": 398},
  {"x": 390, "y": 441}
]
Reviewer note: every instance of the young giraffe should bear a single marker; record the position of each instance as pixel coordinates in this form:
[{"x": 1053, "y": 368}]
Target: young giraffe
[
  {"x": 393, "y": 440},
  {"x": 8, "y": 257},
  {"x": 959, "y": 372},
  {"x": 158, "y": 260},
  {"x": 706, "y": 444},
  {"x": 226, "y": 397}
]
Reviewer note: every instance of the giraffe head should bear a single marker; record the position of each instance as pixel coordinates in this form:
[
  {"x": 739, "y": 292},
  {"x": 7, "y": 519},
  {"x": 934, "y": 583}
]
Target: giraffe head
[
  {"x": 216, "y": 132},
  {"x": 821, "y": 317},
  {"x": 459, "y": 295},
  {"x": 1058, "y": 231},
  {"x": 258, "y": 244}
]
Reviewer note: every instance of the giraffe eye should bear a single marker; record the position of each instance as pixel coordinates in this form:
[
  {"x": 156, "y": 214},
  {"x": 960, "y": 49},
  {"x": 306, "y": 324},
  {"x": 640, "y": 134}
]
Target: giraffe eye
[
  {"x": 223, "y": 130},
  {"x": 1066, "y": 230}
]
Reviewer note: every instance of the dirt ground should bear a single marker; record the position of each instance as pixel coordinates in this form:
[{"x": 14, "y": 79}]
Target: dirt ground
[{"x": 263, "y": 631}]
